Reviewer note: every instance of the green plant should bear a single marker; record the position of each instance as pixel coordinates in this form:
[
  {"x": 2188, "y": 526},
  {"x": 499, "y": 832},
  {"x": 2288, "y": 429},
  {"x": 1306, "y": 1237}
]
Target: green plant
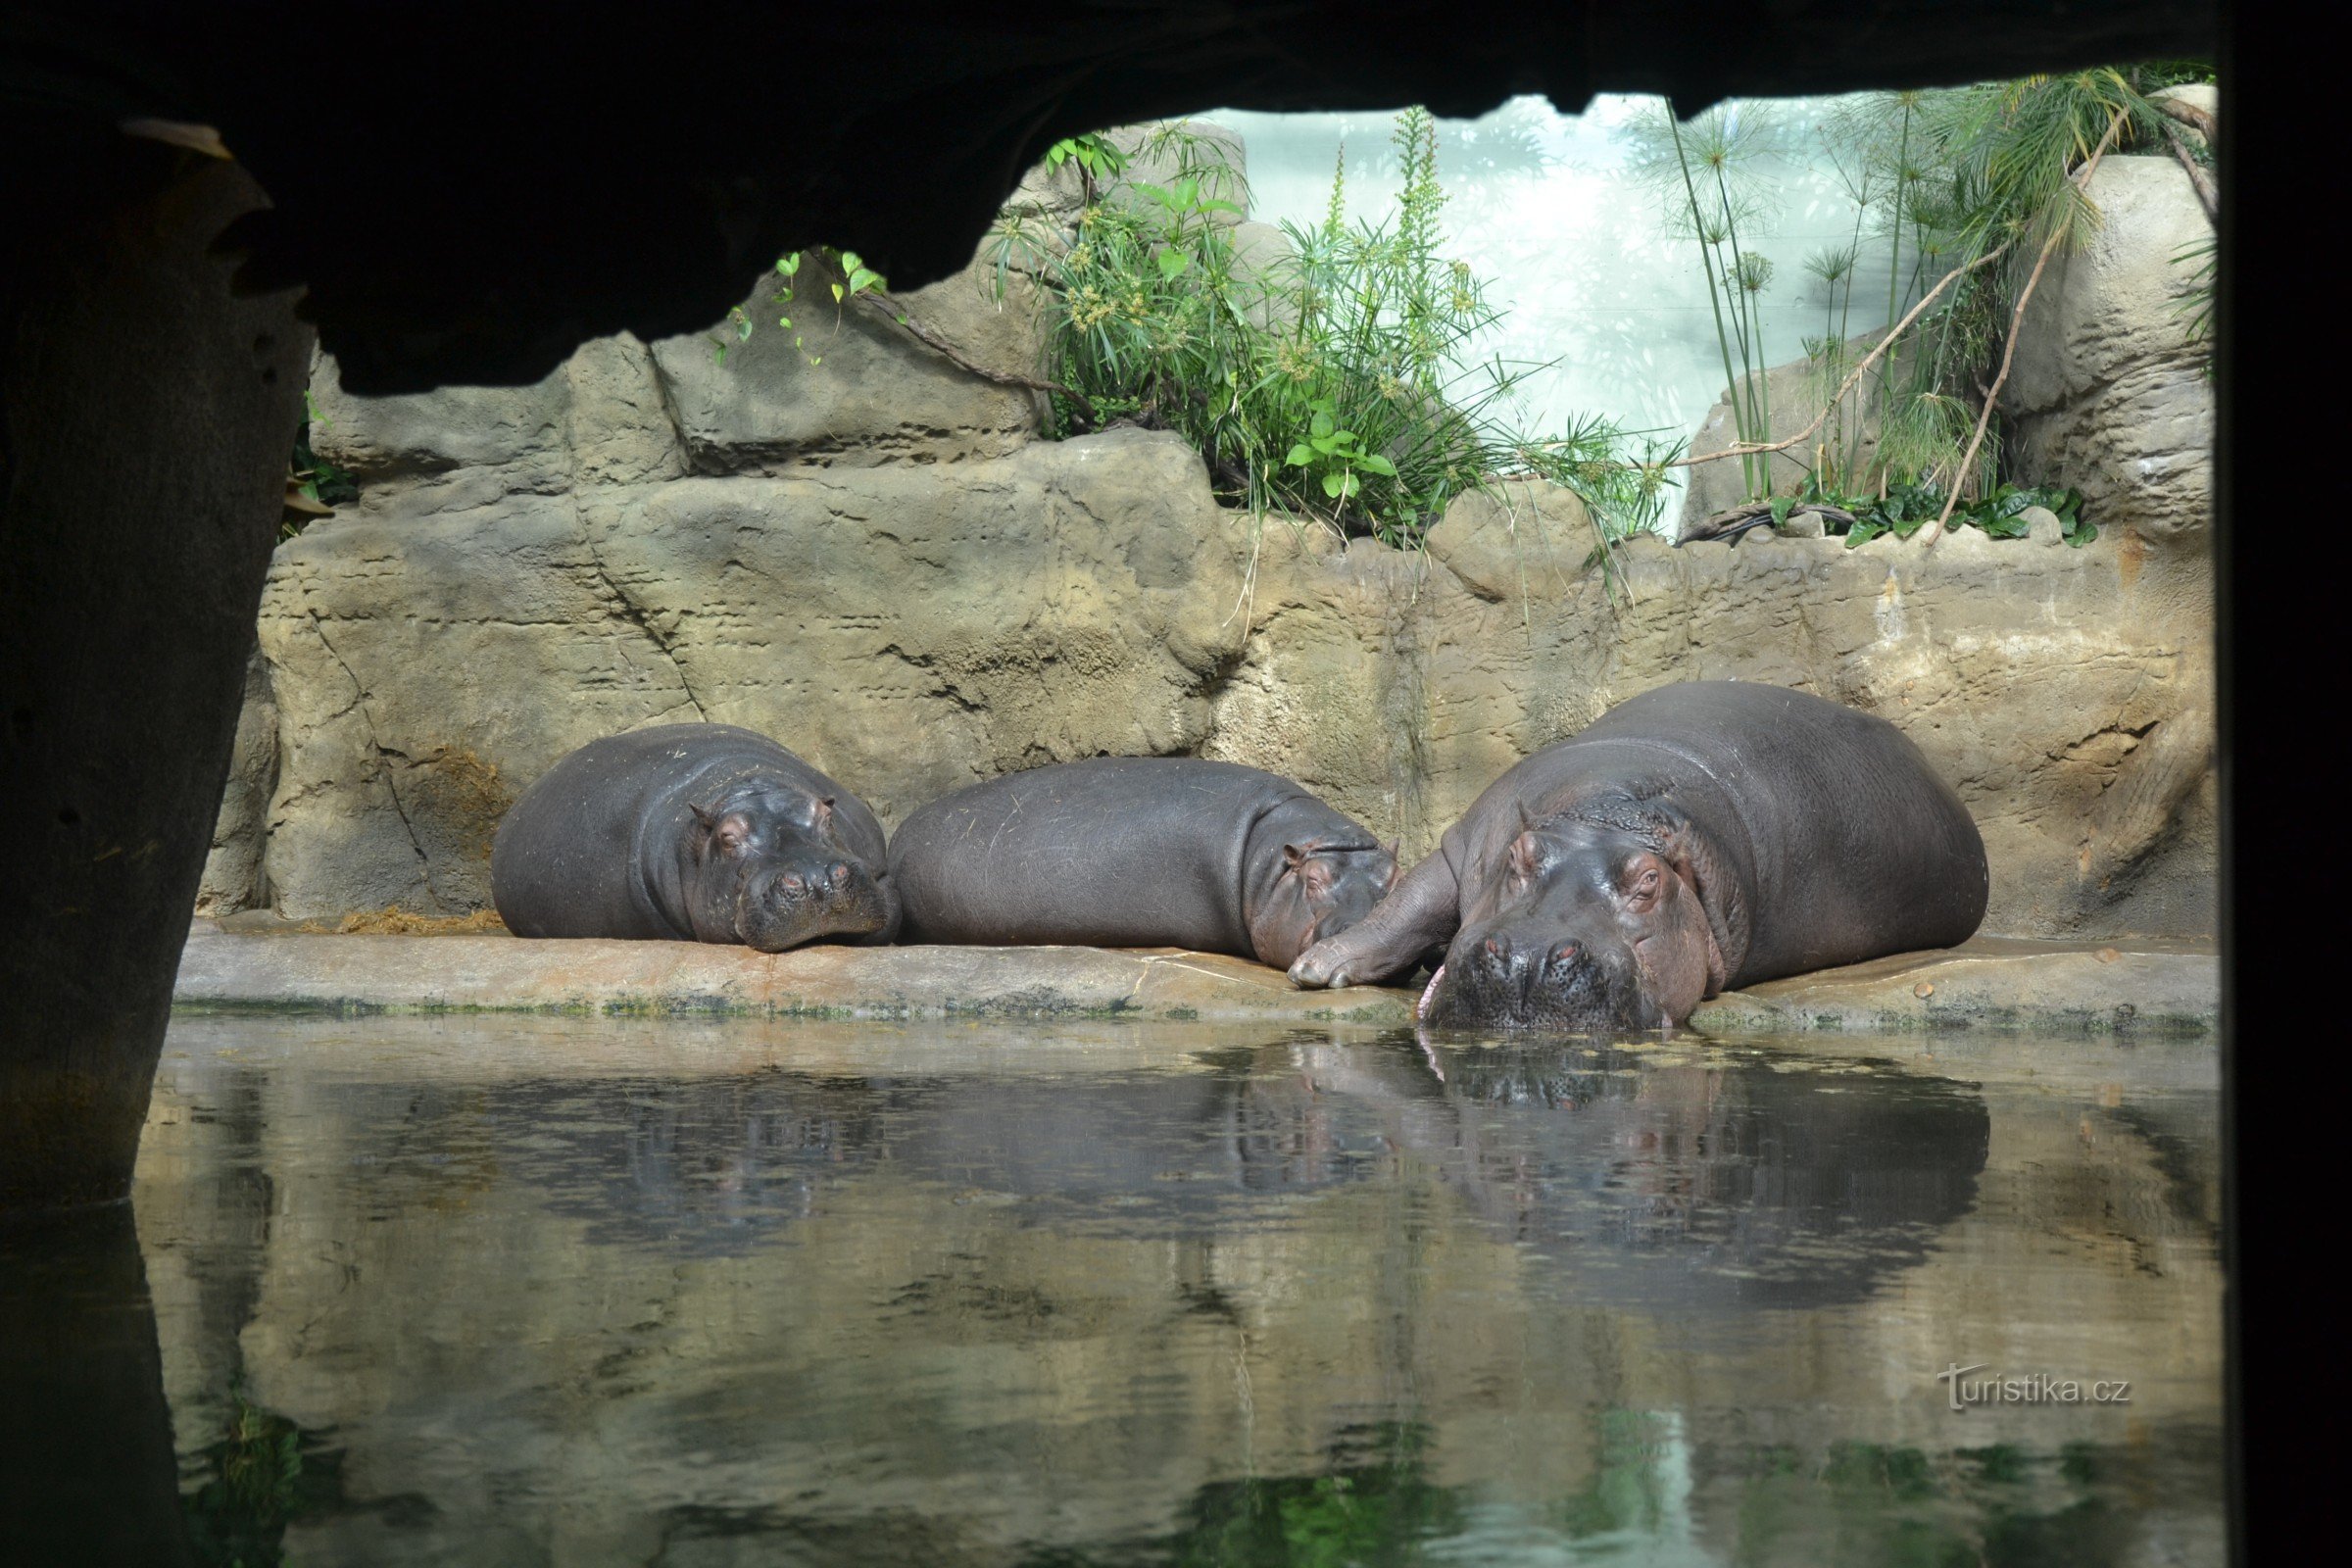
[
  {"x": 847, "y": 275},
  {"x": 1977, "y": 189},
  {"x": 1904, "y": 510},
  {"x": 1704, "y": 173},
  {"x": 1341, "y": 383},
  {"x": 262, "y": 1473}
]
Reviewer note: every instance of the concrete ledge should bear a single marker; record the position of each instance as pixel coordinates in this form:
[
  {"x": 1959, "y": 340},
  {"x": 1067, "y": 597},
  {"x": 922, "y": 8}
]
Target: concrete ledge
[
  {"x": 307, "y": 972},
  {"x": 1990, "y": 982}
]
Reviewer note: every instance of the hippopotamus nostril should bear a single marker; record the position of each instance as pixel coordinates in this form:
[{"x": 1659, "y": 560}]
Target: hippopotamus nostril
[
  {"x": 1564, "y": 951},
  {"x": 841, "y": 875},
  {"x": 1494, "y": 946},
  {"x": 792, "y": 882}
]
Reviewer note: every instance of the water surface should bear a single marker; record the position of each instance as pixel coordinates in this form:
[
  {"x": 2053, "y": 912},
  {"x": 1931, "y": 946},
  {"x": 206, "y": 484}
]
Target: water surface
[{"x": 557, "y": 1290}]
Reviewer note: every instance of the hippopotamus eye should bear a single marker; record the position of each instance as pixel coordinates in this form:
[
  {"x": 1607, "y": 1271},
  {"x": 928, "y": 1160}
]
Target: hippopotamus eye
[{"x": 1646, "y": 883}]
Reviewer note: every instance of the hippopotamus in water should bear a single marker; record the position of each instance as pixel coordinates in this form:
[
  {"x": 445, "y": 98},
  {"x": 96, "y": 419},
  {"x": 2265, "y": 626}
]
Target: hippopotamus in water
[
  {"x": 692, "y": 833},
  {"x": 1698, "y": 837},
  {"x": 1138, "y": 851}
]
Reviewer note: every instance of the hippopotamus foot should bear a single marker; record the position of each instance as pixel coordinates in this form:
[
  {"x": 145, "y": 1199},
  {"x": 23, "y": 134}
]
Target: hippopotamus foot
[{"x": 1420, "y": 914}]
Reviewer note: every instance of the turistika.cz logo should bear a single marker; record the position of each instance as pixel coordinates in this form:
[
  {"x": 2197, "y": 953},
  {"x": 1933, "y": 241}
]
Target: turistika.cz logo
[{"x": 2034, "y": 1388}]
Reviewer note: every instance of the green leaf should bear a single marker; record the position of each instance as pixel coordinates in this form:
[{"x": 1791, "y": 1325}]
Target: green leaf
[
  {"x": 1213, "y": 205},
  {"x": 1323, "y": 423},
  {"x": 837, "y": 293},
  {"x": 743, "y": 329},
  {"x": 1333, "y": 483},
  {"x": 849, "y": 261},
  {"x": 1327, "y": 445},
  {"x": 1781, "y": 506},
  {"x": 784, "y": 320},
  {"x": 1380, "y": 464},
  {"x": 1302, "y": 457},
  {"x": 789, "y": 265},
  {"x": 1172, "y": 263}
]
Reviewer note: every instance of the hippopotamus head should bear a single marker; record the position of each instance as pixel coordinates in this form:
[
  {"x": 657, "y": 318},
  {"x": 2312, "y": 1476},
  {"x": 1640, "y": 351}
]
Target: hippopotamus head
[
  {"x": 768, "y": 867},
  {"x": 1324, "y": 887},
  {"x": 1589, "y": 926}
]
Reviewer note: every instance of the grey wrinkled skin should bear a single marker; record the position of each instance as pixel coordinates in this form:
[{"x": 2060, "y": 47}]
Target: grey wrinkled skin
[
  {"x": 1138, "y": 851},
  {"x": 1698, "y": 837},
  {"x": 693, "y": 833}
]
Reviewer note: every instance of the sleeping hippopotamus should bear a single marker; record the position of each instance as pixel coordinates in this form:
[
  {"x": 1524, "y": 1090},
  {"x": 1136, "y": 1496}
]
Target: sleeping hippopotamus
[
  {"x": 692, "y": 833},
  {"x": 1137, "y": 852},
  {"x": 1698, "y": 837}
]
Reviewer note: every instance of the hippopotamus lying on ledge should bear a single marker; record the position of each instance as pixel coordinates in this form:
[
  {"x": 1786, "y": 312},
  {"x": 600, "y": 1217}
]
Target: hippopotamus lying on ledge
[
  {"x": 697, "y": 833},
  {"x": 1698, "y": 837},
  {"x": 1139, "y": 852}
]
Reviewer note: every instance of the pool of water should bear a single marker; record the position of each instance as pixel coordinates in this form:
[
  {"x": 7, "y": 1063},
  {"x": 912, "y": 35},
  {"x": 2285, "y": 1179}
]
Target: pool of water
[{"x": 585, "y": 1292}]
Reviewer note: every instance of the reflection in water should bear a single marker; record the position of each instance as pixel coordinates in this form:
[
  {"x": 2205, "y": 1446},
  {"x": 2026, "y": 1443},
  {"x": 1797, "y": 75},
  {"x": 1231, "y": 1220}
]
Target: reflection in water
[
  {"x": 1165, "y": 1297},
  {"x": 264, "y": 1472},
  {"x": 85, "y": 1437}
]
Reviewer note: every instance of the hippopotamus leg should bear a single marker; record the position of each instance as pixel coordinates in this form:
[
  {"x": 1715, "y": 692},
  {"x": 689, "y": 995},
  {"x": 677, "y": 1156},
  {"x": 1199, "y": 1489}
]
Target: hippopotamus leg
[{"x": 1421, "y": 914}]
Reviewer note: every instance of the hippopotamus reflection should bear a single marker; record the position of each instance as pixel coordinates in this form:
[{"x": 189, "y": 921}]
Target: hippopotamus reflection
[
  {"x": 697, "y": 833},
  {"x": 1698, "y": 837},
  {"x": 1739, "y": 1184},
  {"x": 1699, "y": 1185},
  {"x": 1138, "y": 851}
]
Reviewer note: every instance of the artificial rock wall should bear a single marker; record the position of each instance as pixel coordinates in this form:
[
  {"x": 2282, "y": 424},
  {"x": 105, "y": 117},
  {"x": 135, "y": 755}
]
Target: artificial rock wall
[{"x": 874, "y": 558}]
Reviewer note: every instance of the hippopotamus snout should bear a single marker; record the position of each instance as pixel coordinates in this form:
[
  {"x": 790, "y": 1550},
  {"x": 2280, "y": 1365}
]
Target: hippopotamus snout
[
  {"x": 802, "y": 897},
  {"x": 1522, "y": 978}
]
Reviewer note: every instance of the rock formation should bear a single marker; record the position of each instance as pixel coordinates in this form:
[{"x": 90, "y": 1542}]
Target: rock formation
[{"x": 865, "y": 550}]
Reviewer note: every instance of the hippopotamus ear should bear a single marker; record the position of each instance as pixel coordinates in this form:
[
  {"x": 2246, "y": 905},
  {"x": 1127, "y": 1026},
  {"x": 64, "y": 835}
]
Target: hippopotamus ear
[
  {"x": 1300, "y": 858},
  {"x": 1525, "y": 853}
]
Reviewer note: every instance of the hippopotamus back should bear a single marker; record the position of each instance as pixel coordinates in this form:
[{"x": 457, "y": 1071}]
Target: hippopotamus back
[{"x": 1136, "y": 852}]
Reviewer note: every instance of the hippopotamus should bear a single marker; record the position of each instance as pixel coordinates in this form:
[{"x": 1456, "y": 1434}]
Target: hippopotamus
[
  {"x": 1701, "y": 836},
  {"x": 692, "y": 833},
  {"x": 1138, "y": 851}
]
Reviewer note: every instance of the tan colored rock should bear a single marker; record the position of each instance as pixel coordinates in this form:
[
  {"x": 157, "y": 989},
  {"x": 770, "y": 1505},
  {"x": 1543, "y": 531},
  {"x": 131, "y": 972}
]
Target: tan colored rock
[
  {"x": 857, "y": 389},
  {"x": 870, "y": 559},
  {"x": 2072, "y": 720},
  {"x": 909, "y": 628},
  {"x": 2201, "y": 97},
  {"x": 502, "y": 973},
  {"x": 232, "y": 870},
  {"x": 2107, "y": 394},
  {"x": 1989, "y": 983},
  {"x": 1158, "y": 152}
]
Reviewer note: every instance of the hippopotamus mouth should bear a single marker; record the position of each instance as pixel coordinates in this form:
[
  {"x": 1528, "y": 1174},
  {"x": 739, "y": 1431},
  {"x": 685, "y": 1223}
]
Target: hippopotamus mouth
[
  {"x": 1494, "y": 982},
  {"x": 789, "y": 905}
]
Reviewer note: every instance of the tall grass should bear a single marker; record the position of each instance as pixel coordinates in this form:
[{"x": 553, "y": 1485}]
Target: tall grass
[{"x": 1340, "y": 382}]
